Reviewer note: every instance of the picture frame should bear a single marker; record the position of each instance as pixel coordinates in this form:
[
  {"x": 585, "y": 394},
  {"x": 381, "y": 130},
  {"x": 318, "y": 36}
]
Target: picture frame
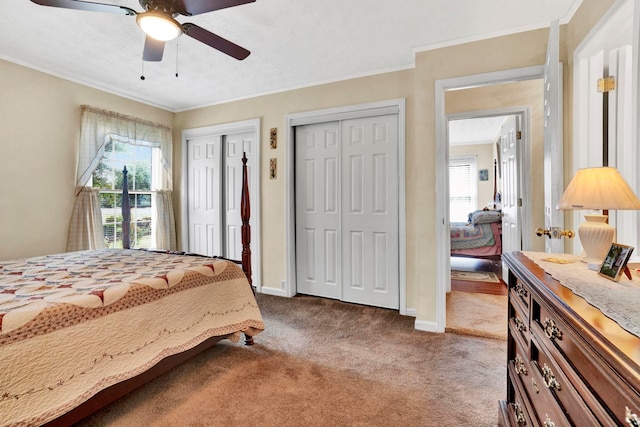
[
  {"x": 615, "y": 263},
  {"x": 484, "y": 174}
]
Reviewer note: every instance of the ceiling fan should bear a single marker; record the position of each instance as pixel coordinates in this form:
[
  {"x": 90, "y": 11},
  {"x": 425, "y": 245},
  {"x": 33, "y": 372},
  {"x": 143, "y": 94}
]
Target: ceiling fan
[{"x": 159, "y": 24}]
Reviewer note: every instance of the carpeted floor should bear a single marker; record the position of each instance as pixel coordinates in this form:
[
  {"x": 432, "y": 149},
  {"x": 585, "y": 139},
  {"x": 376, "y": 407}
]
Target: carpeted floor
[
  {"x": 326, "y": 363},
  {"x": 483, "y": 315}
]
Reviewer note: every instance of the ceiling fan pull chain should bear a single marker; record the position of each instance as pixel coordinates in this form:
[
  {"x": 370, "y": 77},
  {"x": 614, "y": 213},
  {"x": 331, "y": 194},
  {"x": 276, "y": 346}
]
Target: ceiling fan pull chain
[
  {"x": 177, "y": 54},
  {"x": 142, "y": 74}
]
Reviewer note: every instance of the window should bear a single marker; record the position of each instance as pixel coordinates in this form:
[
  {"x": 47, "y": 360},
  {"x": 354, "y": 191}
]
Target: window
[
  {"x": 109, "y": 141},
  {"x": 141, "y": 160},
  {"x": 463, "y": 187}
]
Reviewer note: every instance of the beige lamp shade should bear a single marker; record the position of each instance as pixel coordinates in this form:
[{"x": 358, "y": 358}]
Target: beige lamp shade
[{"x": 598, "y": 188}]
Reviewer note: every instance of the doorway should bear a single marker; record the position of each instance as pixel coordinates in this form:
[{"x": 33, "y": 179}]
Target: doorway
[
  {"x": 443, "y": 89},
  {"x": 497, "y": 144}
]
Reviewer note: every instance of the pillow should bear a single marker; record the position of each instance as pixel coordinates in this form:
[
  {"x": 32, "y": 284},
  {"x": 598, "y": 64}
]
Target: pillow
[{"x": 485, "y": 217}]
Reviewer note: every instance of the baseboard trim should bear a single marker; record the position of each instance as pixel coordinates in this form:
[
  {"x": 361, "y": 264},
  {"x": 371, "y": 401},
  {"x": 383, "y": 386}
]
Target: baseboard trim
[
  {"x": 274, "y": 291},
  {"x": 423, "y": 325},
  {"x": 410, "y": 312}
]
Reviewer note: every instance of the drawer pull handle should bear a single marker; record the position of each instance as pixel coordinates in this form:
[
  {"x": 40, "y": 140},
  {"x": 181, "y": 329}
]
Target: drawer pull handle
[
  {"x": 520, "y": 368},
  {"x": 520, "y": 325},
  {"x": 521, "y": 291},
  {"x": 519, "y": 414},
  {"x": 632, "y": 419},
  {"x": 549, "y": 379},
  {"x": 551, "y": 329},
  {"x": 535, "y": 386},
  {"x": 548, "y": 422}
]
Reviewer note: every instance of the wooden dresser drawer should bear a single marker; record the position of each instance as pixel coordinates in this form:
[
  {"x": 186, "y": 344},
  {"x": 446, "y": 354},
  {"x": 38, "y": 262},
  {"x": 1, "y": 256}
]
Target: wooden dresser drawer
[
  {"x": 517, "y": 410},
  {"x": 605, "y": 388},
  {"x": 523, "y": 375},
  {"x": 519, "y": 292},
  {"x": 563, "y": 390},
  {"x": 517, "y": 413},
  {"x": 518, "y": 321},
  {"x": 519, "y": 354},
  {"x": 542, "y": 399}
]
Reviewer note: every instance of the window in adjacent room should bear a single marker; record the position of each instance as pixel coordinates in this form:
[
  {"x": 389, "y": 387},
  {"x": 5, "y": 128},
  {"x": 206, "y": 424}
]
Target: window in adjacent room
[
  {"x": 142, "y": 160},
  {"x": 463, "y": 187}
]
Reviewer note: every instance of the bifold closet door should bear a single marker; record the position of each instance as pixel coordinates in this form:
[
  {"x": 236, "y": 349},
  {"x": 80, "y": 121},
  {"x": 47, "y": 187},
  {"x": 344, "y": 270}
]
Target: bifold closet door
[
  {"x": 213, "y": 190},
  {"x": 347, "y": 210},
  {"x": 204, "y": 187},
  {"x": 234, "y": 146},
  {"x": 370, "y": 211},
  {"x": 318, "y": 210}
]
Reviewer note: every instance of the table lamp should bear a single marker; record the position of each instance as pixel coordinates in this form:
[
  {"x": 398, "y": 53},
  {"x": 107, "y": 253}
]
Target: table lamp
[{"x": 597, "y": 188}]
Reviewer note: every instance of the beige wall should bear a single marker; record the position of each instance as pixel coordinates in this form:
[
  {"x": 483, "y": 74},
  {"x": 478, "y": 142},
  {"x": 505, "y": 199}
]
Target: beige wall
[
  {"x": 515, "y": 51},
  {"x": 273, "y": 109},
  {"x": 39, "y": 140},
  {"x": 519, "y": 94},
  {"x": 38, "y": 151}
]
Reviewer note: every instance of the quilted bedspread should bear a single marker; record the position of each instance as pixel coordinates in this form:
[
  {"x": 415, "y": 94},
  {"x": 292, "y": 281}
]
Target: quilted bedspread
[
  {"x": 73, "y": 324},
  {"x": 464, "y": 236}
]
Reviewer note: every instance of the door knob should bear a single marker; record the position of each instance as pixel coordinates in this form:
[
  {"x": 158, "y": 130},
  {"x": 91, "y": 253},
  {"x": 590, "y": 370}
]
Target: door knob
[{"x": 555, "y": 233}]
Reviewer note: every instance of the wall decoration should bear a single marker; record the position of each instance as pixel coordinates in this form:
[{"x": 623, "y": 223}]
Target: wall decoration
[
  {"x": 484, "y": 174},
  {"x": 273, "y": 137},
  {"x": 273, "y": 168}
]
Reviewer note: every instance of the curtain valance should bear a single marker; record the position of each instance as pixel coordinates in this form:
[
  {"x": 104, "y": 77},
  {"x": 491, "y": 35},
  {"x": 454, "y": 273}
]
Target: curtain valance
[{"x": 97, "y": 125}]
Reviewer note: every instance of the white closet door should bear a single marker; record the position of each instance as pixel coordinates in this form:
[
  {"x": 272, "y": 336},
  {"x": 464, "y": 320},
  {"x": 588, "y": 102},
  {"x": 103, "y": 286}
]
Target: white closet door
[
  {"x": 347, "y": 210},
  {"x": 204, "y": 198},
  {"x": 234, "y": 146},
  {"x": 318, "y": 210},
  {"x": 370, "y": 211}
]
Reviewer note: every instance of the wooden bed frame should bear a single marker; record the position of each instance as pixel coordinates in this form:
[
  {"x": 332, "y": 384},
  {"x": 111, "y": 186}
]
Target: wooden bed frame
[{"x": 116, "y": 391}]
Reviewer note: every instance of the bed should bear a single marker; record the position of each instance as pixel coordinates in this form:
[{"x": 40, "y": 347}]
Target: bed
[
  {"x": 481, "y": 236},
  {"x": 80, "y": 329}
]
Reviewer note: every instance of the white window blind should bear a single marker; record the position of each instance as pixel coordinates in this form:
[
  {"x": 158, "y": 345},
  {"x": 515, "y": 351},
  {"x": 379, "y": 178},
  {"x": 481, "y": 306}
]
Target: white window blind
[{"x": 463, "y": 187}]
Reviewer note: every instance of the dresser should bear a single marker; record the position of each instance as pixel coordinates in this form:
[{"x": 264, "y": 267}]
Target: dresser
[{"x": 567, "y": 363}]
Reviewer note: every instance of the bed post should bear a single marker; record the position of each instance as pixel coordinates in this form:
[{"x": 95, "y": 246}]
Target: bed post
[{"x": 245, "y": 214}]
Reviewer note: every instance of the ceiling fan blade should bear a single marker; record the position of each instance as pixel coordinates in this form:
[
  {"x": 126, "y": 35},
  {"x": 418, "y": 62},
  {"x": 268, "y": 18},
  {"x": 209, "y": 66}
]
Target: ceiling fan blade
[
  {"x": 195, "y": 7},
  {"x": 153, "y": 50},
  {"x": 86, "y": 5},
  {"x": 215, "y": 41}
]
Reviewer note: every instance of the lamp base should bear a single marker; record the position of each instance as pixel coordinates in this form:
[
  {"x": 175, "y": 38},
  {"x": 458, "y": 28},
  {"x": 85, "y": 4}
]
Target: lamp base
[
  {"x": 596, "y": 237},
  {"x": 595, "y": 266}
]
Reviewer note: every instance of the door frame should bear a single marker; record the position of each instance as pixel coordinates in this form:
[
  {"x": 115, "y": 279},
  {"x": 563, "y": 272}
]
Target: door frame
[
  {"x": 253, "y": 160},
  {"x": 393, "y": 106},
  {"x": 523, "y": 163},
  {"x": 442, "y": 233}
]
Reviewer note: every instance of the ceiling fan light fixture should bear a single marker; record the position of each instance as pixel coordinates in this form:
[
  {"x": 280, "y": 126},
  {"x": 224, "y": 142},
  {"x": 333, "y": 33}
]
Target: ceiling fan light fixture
[{"x": 158, "y": 25}]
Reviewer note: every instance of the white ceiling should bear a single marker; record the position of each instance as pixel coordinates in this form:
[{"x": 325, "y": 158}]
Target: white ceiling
[
  {"x": 294, "y": 43},
  {"x": 482, "y": 130}
]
